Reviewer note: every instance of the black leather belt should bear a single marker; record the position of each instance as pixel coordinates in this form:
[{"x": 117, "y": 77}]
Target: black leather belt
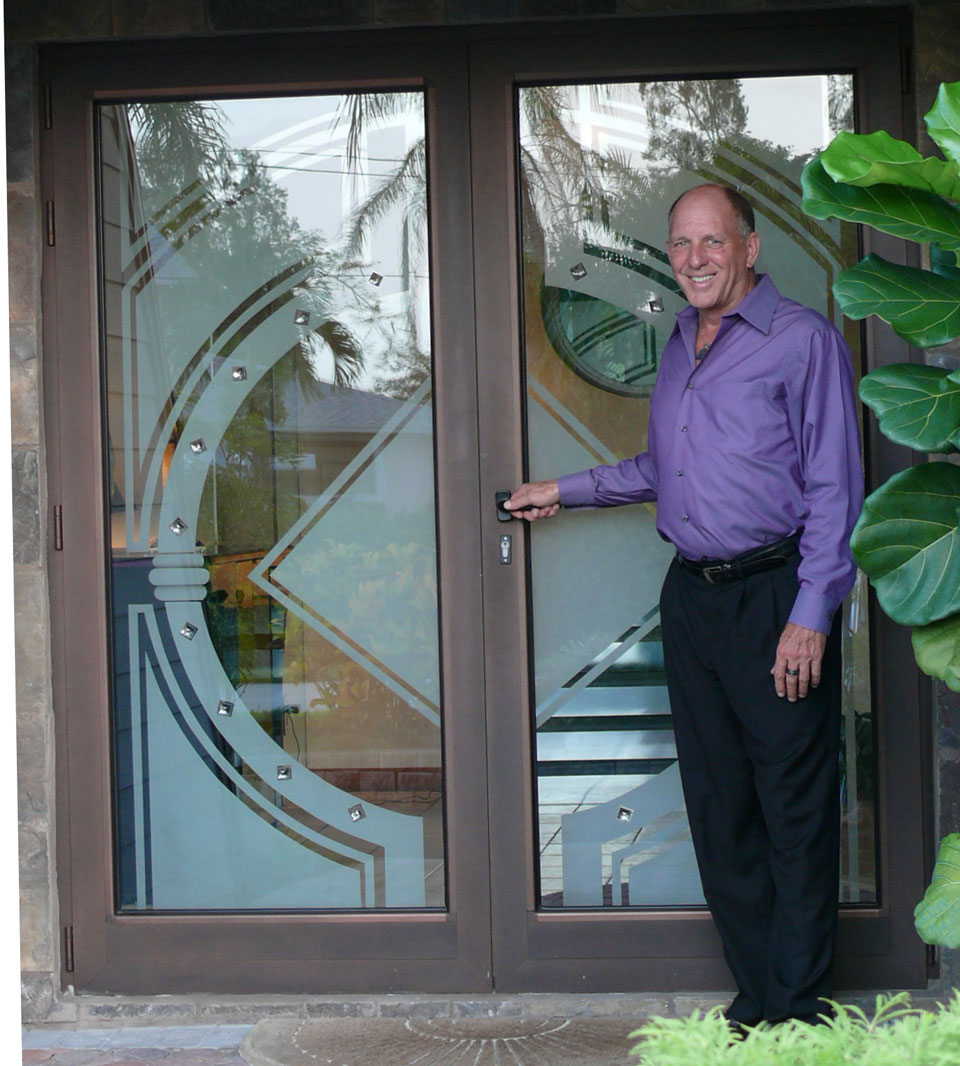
[{"x": 755, "y": 561}]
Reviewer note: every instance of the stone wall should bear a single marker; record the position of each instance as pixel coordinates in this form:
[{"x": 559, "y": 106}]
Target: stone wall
[{"x": 29, "y": 22}]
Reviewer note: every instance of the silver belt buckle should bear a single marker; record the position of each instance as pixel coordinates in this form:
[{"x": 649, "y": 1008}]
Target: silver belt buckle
[{"x": 710, "y": 572}]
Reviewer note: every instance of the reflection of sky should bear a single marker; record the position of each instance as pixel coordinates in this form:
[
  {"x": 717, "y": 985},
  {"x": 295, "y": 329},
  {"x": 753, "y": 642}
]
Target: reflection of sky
[
  {"x": 791, "y": 112},
  {"x": 303, "y": 148}
]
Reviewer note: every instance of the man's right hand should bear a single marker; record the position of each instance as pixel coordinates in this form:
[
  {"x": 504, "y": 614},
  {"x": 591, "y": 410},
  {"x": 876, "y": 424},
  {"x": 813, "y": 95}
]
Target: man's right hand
[{"x": 541, "y": 498}]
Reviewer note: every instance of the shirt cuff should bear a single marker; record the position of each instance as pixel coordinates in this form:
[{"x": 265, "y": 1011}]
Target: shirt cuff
[
  {"x": 812, "y": 611},
  {"x": 577, "y": 490}
]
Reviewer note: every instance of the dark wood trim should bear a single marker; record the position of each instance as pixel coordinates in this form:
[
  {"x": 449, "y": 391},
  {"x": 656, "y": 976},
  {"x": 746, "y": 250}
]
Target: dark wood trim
[
  {"x": 291, "y": 952},
  {"x": 478, "y": 369},
  {"x": 876, "y": 946}
]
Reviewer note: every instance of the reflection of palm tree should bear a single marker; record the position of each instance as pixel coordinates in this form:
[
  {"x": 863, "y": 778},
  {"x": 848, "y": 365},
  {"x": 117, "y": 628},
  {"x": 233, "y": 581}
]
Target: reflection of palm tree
[{"x": 192, "y": 181}]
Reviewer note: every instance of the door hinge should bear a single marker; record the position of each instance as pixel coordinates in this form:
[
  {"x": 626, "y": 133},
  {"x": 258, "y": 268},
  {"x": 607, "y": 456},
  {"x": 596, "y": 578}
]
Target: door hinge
[
  {"x": 47, "y": 105},
  {"x": 68, "y": 948},
  {"x": 933, "y": 955},
  {"x": 58, "y": 527},
  {"x": 51, "y": 225}
]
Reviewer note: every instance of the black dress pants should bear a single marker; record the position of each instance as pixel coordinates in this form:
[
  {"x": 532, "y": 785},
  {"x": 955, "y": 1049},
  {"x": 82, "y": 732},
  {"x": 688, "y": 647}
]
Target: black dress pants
[{"x": 761, "y": 783}]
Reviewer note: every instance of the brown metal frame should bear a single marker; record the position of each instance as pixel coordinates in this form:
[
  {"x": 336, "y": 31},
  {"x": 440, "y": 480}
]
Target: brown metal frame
[
  {"x": 292, "y": 952},
  {"x": 671, "y": 949},
  {"x": 492, "y": 925}
]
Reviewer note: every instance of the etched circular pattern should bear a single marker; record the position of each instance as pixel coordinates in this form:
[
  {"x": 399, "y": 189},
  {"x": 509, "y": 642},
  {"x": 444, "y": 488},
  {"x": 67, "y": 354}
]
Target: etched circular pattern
[{"x": 440, "y": 1042}]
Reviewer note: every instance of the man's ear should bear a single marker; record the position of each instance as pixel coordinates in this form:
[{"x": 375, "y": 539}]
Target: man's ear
[{"x": 753, "y": 248}]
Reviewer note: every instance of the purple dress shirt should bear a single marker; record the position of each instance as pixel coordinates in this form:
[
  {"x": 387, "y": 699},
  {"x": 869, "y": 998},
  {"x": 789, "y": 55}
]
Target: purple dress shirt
[{"x": 759, "y": 440}]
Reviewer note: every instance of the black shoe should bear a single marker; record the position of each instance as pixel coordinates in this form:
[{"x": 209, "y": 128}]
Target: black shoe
[{"x": 738, "y": 1031}]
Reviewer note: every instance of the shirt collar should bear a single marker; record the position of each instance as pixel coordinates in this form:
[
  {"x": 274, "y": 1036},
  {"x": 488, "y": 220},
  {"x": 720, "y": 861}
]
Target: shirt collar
[{"x": 756, "y": 308}]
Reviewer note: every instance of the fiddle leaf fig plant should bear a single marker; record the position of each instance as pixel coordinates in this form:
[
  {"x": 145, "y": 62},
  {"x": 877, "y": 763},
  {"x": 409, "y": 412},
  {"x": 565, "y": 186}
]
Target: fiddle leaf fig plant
[
  {"x": 907, "y": 539},
  {"x": 937, "y": 915}
]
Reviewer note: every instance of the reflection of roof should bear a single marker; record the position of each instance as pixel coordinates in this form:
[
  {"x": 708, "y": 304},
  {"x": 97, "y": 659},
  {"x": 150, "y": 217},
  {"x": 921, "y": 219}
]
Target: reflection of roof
[{"x": 338, "y": 409}]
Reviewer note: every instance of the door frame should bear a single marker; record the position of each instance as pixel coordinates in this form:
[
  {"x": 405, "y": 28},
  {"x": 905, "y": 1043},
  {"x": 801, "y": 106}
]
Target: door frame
[
  {"x": 345, "y": 951},
  {"x": 492, "y": 925},
  {"x": 672, "y": 949}
]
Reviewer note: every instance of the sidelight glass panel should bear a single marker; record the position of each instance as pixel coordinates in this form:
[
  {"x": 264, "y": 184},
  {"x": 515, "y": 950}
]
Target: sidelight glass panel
[
  {"x": 599, "y": 167},
  {"x": 270, "y": 480}
]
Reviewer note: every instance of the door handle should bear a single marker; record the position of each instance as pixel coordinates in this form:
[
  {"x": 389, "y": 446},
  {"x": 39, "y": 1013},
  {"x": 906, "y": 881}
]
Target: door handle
[{"x": 503, "y": 515}]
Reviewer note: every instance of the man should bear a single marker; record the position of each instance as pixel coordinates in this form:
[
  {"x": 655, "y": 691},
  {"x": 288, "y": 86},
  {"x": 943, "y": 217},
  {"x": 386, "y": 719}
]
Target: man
[{"x": 754, "y": 461}]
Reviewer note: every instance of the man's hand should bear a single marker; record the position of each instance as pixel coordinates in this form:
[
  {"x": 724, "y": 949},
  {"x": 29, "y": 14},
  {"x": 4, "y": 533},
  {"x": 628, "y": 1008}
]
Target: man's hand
[
  {"x": 800, "y": 649},
  {"x": 541, "y": 497}
]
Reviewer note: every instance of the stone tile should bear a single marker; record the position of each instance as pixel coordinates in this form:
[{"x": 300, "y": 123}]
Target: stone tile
[
  {"x": 32, "y": 1055},
  {"x": 49, "y": 20},
  {"x": 37, "y": 947},
  {"x": 36, "y": 996},
  {"x": 139, "y": 1011},
  {"x": 242, "y": 1013},
  {"x": 21, "y": 80},
  {"x": 24, "y": 387},
  {"x": 687, "y": 1004},
  {"x": 406, "y": 1008},
  {"x": 34, "y": 735},
  {"x": 351, "y": 1009},
  {"x": 482, "y": 1008},
  {"x": 949, "y": 798},
  {"x": 142, "y": 18},
  {"x": 26, "y": 510},
  {"x": 23, "y": 244},
  {"x": 937, "y": 37},
  {"x": 31, "y": 640},
  {"x": 948, "y": 721},
  {"x": 287, "y": 14}
]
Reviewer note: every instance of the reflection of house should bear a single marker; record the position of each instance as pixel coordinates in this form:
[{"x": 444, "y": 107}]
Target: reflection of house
[
  {"x": 327, "y": 429},
  {"x": 354, "y": 448}
]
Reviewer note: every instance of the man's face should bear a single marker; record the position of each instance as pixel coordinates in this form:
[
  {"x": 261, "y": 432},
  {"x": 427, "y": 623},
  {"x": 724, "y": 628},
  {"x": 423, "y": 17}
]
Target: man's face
[{"x": 710, "y": 259}]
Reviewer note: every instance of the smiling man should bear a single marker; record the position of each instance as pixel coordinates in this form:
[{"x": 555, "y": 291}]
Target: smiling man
[{"x": 754, "y": 461}]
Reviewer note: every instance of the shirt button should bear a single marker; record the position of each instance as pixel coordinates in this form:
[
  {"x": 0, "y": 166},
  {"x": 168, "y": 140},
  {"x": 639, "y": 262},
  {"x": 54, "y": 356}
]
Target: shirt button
[
  {"x": 689, "y": 384},
  {"x": 679, "y": 473},
  {"x": 683, "y": 429},
  {"x": 685, "y": 518}
]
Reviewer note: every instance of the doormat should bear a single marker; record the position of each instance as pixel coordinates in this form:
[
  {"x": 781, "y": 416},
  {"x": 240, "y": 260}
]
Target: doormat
[{"x": 439, "y": 1042}]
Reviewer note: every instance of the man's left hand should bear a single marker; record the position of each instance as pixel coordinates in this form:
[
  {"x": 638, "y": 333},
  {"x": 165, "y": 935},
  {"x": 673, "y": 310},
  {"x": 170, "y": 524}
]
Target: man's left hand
[{"x": 799, "y": 655}]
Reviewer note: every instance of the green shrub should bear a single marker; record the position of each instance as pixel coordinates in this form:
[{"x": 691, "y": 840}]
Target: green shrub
[{"x": 896, "y": 1035}]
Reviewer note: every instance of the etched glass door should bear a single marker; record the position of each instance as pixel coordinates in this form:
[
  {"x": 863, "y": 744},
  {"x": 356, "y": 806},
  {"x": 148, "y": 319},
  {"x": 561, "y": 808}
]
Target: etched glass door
[
  {"x": 600, "y": 165},
  {"x": 267, "y": 387}
]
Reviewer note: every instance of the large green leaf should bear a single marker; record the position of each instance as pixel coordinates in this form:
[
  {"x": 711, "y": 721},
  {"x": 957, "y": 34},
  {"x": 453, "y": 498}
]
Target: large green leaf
[
  {"x": 916, "y": 405},
  {"x": 937, "y": 915},
  {"x": 907, "y": 541},
  {"x": 924, "y": 308},
  {"x": 936, "y": 647},
  {"x": 943, "y": 120},
  {"x": 879, "y": 159},
  {"x": 913, "y": 214}
]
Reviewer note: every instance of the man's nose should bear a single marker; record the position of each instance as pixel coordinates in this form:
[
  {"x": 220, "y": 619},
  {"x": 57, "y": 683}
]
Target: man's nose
[{"x": 696, "y": 255}]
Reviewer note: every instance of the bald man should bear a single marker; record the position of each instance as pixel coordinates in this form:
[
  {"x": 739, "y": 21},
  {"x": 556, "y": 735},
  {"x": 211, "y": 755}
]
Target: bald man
[{"x": 754, "y": 461}]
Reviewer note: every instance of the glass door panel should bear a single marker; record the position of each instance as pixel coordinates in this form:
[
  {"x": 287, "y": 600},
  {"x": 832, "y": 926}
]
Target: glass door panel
[
  {"x": 600, "y": 165},
  {"x": 273, "y": 571}
]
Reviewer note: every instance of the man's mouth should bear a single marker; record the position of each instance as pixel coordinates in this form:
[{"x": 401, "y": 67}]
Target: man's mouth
[{"x": 700, "y": 278}]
